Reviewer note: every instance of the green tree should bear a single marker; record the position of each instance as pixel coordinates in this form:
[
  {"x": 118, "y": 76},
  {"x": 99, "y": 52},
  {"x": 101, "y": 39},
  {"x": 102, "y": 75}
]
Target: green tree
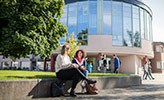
[
  {"x": 30, "y": 27},
  {"x": 74, "y": 46},
  {"x": 83, "y": 37}
]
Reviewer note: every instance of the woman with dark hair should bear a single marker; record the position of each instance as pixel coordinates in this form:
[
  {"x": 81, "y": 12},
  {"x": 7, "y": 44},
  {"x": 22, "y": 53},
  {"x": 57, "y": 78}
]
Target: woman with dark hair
[
  {"x": 79, "y": 59},
  {"x": 65, "y": 70}
]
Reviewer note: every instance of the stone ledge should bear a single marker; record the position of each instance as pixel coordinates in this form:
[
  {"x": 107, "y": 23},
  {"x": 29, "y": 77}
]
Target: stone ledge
[{"x": 37, "y": 88}]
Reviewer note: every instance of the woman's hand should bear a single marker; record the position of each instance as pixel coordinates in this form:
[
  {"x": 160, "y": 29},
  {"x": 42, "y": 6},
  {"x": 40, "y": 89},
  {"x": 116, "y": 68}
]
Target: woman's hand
[
  {"x": 75, "y": 65},
  {"x": 82, "y": 68}
]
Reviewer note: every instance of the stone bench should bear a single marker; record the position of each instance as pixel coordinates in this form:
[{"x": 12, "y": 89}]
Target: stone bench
[{"x": 37, "y": 88}]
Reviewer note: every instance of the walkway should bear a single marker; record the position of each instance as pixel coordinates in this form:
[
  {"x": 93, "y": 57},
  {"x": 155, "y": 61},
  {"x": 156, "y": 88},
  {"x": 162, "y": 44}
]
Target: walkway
[{"x": 150, "y": 90}]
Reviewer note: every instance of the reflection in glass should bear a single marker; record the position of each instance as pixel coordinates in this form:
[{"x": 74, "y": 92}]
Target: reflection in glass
[
  {"x": 136, "y": 28},
  {"x": 107, "y": 17},
  {"x": 127, "y": 19},
  {"x": 92, "y": 17},
  {"x": 117, "y": 23},
  {"x": 72, "y": 19},
  {"x": 63, "y": 20},
  {"x": 148, "y": 27},
  {"x": 151, "y": 32},
  {"x": 142, "y": 23},
  {"x": 83, "y": 18},
  {"x": 126, "y": 23},
  {"x": 145, "y": 24},
  {"x": 82, "y": 37}
]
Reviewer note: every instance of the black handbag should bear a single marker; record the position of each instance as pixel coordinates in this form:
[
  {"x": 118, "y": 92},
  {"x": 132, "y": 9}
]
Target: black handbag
[{"x": 57, "y": 89}]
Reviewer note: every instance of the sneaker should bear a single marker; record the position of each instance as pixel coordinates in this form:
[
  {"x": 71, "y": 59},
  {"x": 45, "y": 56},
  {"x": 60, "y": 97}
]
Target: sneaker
[{"x": 91, "y": 81}]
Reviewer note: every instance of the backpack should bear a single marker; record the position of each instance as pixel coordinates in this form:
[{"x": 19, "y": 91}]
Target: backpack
[
  {"x": 56, "y": 90},
  {"x": 91, "y": 89}
]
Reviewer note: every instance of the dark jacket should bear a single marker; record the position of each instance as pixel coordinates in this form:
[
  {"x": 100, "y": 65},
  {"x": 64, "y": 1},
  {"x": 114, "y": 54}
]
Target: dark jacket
[{"x": 82, "y": 63}]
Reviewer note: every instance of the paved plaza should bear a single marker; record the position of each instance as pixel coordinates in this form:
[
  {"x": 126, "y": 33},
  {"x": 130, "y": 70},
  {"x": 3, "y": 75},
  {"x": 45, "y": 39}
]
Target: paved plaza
[{"x": 149, "y": 90}]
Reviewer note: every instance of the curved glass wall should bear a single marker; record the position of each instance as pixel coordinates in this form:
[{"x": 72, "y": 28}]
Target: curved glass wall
[{"x": 127, "y": 23}]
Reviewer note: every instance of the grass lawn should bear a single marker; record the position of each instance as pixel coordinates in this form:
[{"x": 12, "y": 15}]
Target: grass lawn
[{"x": 17, "y": 75}]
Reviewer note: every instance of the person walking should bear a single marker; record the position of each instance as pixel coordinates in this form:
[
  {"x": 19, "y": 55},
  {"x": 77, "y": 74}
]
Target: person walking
[
  {"x": 145, "y": 67},
  {"x": 149, "y": 71},
  {"x": 116, "y": 63},
  {"x": 65, "y": 70}
]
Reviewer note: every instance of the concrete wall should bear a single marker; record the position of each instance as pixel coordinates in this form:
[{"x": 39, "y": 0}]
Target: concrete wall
[
  {"x": 128, "y": 64},
  {"x": 38, "y": 88},
  {"x": 131, "y": 64},
  {"x": 103, "y": 44}
]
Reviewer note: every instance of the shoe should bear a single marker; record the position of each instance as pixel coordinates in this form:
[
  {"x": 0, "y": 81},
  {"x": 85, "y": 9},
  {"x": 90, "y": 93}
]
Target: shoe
[
  {"x": 91, "y": 81},
  {"x": 72, "y": 93}
]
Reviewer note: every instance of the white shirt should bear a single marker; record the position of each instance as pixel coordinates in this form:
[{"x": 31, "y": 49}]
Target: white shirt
[{"x": 62, "y": 62}]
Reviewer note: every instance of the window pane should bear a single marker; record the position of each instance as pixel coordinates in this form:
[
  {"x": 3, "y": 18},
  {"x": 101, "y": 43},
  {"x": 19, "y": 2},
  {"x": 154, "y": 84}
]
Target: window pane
[
  {"x": 72, "y": 19},
  {"x": 142, "y": 23},
  {"x": 145, "y": 24},
  {"x": 62, "y": 40},
  {"x": 151, "y": 32},
  {"x": 148, "y": 27},
  {"x": 92, "y": 17},
  {"x": 127, "y": 18},
  {"x": 107, "y": 17},
  {"x": 136, "y": 27},
  {"x": 6, "y": 64},
  {"x": 117, "y": 23},
  {"x": 83, "y": 22},
  {"x": 159, "y": 65},
  {"x": 63, "y": 19}
]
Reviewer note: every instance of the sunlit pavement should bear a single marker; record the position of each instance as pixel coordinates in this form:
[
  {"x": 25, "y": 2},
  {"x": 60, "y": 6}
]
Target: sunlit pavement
[{"x": 149, "y": 90}]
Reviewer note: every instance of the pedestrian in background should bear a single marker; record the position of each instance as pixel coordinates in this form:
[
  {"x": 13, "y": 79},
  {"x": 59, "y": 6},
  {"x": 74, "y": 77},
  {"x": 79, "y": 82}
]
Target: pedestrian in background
[
  {"x": 145, "y": 67},
  {"x": 116, "y": 63},
  {"x": 149, "y": 71},
  {"x": 90, "y": 67},
  {"x": 104, "y": 63}
]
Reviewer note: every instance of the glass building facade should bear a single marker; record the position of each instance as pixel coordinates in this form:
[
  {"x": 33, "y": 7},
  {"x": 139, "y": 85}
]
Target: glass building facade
[{"x": 127, "y": 21}]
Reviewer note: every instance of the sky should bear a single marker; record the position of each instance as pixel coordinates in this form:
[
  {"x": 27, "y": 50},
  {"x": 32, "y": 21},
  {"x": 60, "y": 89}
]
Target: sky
[{"x": 157, "y": 6}]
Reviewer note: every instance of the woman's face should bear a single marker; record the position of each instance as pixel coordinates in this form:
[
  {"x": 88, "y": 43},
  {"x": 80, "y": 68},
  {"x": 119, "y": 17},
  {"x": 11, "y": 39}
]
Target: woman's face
[
  {"x": 68, "y": 51},
  {"x": 80, "y": 54}
]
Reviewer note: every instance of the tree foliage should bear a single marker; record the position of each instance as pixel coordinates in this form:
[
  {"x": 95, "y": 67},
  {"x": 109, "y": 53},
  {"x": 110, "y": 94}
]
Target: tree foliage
[
  {"x": 74, "y": 46},
  {"x": 30, "y": 27},
  {"x": 83, "y": 37}
]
